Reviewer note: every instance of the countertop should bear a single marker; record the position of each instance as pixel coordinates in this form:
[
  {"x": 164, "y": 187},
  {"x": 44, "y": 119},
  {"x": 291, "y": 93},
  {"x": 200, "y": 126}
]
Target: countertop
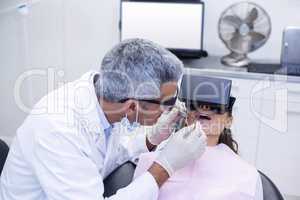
[{"x": 213, "y": 66}]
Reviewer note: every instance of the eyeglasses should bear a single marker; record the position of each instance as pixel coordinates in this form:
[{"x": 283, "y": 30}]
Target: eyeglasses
[{"x": 167, "y": 103}]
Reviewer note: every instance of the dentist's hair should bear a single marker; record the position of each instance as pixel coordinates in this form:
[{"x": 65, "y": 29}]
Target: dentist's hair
[{"x": 136, "y": 68}]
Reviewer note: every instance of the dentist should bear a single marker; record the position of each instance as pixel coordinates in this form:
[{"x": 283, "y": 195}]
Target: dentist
[{"x": 94, "y": 124}]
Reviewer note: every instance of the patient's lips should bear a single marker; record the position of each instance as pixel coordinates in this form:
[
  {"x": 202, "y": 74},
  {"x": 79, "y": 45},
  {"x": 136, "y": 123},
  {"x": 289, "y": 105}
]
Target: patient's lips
[{"x": 203, "y": 116}]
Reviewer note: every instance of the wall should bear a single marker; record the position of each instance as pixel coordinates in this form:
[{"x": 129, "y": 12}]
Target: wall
[
  {"x": 73, "y": 36},
  {"x": 282, "y": 12},
  {"x": 68, "y": 35}
]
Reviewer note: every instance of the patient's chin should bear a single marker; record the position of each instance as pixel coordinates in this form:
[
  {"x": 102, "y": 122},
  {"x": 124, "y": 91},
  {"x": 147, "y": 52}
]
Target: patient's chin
[
  {"x": 206, "y": 130},
  {"x": 210, "y": 133}
]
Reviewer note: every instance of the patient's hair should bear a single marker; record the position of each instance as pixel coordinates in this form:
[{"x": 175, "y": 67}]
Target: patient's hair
[
  {"x": 227, "y": 139},
  {"x": 226, "y": 136}
]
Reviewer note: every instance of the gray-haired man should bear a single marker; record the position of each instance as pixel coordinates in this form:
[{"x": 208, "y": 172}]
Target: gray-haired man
[{"x": 96, "y": 127}]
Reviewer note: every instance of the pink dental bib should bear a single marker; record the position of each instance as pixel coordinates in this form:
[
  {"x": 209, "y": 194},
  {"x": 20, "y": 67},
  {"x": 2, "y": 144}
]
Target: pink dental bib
[{"x": 219, "y": 174}]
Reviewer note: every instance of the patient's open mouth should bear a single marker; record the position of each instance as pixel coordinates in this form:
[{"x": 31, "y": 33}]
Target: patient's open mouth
[{"x": 204, "y": 117}]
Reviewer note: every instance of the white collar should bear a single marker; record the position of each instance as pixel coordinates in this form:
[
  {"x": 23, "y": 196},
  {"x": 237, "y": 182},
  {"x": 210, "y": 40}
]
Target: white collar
[
  {"x": 100, "y": 118},
  {"x": 103, "y": 120}
]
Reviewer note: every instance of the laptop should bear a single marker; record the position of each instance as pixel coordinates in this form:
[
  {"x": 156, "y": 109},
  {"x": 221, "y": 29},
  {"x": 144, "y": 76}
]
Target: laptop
[{"x": 290, "y": 55}]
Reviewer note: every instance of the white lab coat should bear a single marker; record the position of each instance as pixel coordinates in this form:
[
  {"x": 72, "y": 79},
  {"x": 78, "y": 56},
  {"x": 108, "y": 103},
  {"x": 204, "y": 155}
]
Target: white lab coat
[{"x": 61, "y": 153}]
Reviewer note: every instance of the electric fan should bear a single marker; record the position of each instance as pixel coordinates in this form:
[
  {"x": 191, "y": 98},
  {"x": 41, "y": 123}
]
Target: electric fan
[{"x": 243, "y": 27}]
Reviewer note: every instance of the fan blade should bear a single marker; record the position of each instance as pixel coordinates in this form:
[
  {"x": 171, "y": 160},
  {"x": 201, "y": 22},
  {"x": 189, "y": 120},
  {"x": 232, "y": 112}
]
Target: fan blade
[
  {"x": 240, "y": 44},
  {"x": 233, "y": 20},
  {"x": 257, "y": 39},
  {"x": 253, "y": 15}
]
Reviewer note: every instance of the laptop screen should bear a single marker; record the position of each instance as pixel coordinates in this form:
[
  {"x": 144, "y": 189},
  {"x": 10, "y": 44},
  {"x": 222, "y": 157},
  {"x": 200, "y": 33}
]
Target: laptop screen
[
  {"x": 172, "y": 25},
  {"x": 291, "y": 47}
]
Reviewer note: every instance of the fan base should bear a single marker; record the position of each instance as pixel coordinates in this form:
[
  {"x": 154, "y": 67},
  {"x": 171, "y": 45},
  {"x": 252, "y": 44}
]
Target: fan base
[{"x": 235, "y": 60}]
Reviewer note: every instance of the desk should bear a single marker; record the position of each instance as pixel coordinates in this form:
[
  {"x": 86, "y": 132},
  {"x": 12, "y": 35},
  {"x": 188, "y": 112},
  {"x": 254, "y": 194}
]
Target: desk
[{"x": 213, "y": 66}]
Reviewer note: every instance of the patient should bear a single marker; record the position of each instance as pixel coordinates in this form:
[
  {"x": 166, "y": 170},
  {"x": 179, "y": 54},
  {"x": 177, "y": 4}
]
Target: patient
[{"x": 220, "y": 174}]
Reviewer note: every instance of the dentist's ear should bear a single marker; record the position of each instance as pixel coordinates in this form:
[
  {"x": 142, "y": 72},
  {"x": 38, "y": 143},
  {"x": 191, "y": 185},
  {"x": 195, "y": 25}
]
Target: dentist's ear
[{"x": 131, "y": 109}]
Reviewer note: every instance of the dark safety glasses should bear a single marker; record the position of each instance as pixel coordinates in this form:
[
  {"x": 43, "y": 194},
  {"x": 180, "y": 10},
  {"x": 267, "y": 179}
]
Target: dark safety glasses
[{"x": 167, "y": 103}]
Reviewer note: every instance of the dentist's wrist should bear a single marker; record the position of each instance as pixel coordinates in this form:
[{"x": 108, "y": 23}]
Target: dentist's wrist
[{"x": 159, "y": 173}]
